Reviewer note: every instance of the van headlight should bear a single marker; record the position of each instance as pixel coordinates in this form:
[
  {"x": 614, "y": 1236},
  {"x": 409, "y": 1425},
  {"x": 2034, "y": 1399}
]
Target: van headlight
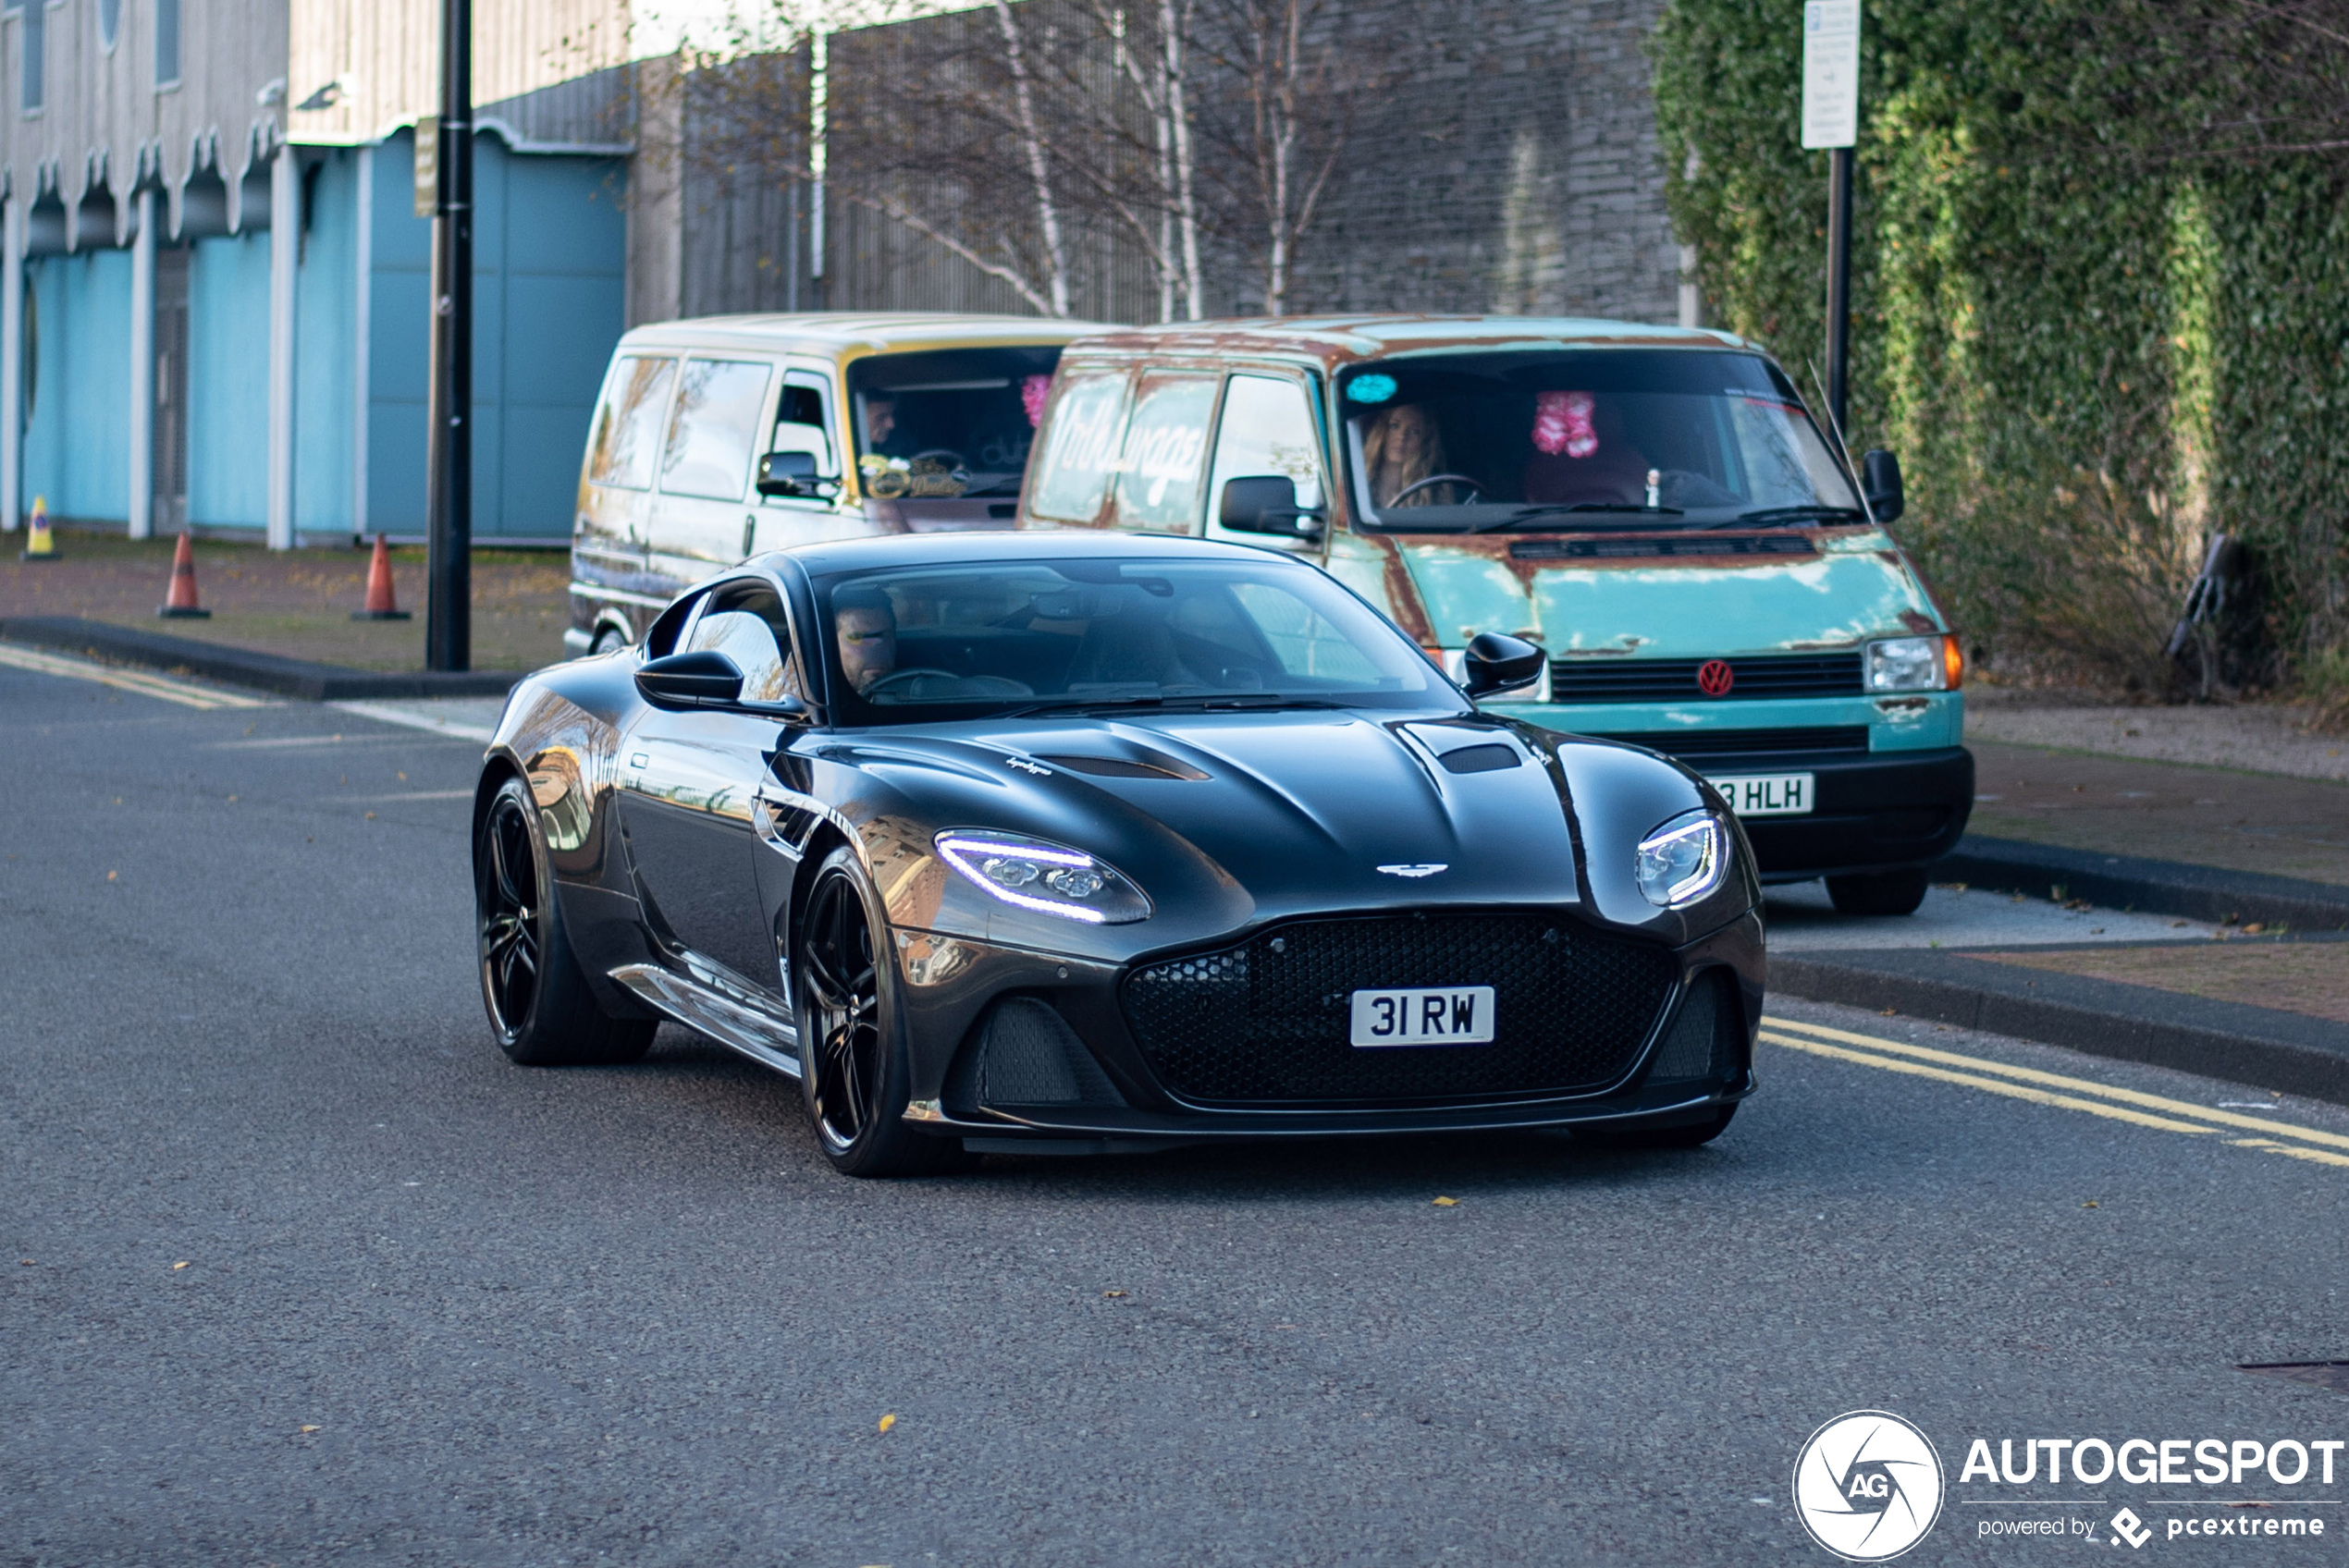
[
  {"x": 1047, "y": 877},
  {"x": 1914, "y": 664},
  {"x": 1684, "y": 860}
]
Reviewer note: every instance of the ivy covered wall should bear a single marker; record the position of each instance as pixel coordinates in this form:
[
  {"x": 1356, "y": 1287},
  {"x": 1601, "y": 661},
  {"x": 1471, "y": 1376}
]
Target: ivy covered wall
[{"x": 2093, "y": 336}]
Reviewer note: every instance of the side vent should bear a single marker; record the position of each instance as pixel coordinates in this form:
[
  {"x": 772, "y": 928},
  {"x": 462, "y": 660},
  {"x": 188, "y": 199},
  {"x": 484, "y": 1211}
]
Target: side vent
[
  {"x": 1708, "y": 1039},
  {"x": 1024, "y": 1053}
]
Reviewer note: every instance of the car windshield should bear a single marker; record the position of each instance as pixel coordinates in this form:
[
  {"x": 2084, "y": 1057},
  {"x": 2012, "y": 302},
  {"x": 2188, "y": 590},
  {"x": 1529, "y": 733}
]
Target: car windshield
[
  {"x": 948, "y": 424},
  {"x": 918, "y": 644},
  {"x": 1583, "y": 441}
]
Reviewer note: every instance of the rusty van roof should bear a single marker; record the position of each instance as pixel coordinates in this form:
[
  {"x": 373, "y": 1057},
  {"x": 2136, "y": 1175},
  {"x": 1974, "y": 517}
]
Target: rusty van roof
[
  {"x": 1338, "y": 340},
  {"x": 844, "y": 334}
]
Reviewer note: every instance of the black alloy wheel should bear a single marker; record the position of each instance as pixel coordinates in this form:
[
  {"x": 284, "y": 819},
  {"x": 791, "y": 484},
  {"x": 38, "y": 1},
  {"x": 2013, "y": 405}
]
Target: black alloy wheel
[
  {"x": 538, "y": 1000},
  {"x": 851, "y": 1063}
]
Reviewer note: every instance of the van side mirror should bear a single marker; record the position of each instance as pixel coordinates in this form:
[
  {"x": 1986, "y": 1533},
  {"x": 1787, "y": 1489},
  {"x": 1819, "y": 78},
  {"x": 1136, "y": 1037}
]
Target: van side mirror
[
  {"x": 1496, "y": 663},
  {"x": 1267, "y": 504},
  {"x": 788, "y": 473},
  {"x": 1880, "y": 482}
]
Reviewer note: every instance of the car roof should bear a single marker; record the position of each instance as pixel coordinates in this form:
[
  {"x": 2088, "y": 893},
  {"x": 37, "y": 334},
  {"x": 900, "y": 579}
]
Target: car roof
[
  {"x": 1002, "y": 545},
  {"x": 842, "y": 332},
  {"x": 1340, "y": 339}
]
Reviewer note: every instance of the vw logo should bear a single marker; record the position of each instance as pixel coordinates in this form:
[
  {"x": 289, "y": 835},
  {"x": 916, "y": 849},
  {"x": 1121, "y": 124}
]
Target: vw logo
[
  {"x": 1867, "y": 1485},
  {"x": 1714, "y": 678}
]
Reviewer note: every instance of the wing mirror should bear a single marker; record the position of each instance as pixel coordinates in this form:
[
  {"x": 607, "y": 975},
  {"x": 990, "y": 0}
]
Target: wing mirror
[
  {"x": 1267, "y": 504},
  {"x": 1498, "y": 663},
  {"x": 709, "y": 679},
  {"x": 1880, "y": 482},
  {"x": 790, "y": 473}
]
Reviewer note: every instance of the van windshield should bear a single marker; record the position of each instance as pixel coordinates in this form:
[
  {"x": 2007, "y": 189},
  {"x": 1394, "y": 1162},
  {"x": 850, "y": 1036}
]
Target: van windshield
[
  {"x": 948, "y": 424},
  {"x": 1585, "y": 441}
]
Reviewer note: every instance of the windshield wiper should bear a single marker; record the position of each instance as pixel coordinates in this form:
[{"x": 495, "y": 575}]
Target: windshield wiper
[
  {"x": 1525, "y": 513},
  {"x": 1789, "y": 514},
  {"x": 1237, "y": 699}
]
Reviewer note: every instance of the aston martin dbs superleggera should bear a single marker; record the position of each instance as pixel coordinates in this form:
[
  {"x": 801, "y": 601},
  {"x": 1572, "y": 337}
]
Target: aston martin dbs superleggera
[{"x": 1030, "y": 841}]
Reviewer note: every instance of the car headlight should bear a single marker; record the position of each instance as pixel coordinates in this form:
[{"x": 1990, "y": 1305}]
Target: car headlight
[
  {"x": 1684, "y": 860},
  {"x": 1914, "y": 664},
  {"x": 1047, "y": 877}
]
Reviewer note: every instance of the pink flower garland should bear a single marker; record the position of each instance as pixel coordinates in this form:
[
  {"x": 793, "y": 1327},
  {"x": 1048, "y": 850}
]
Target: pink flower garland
[{"x": 1562, "y": 423}]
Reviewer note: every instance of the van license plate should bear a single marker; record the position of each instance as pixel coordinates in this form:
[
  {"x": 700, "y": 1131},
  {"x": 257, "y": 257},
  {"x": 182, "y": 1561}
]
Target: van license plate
[
  {"x": 1440, "y": 1016},
  {"x": 1769, "y": 794}
]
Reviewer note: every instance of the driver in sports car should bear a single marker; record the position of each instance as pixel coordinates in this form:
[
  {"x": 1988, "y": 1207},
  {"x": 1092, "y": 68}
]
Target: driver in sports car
[{"x": 866, "y": 626}]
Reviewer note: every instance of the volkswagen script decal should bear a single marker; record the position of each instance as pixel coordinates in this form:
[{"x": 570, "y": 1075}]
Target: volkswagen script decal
[{"x": 1424, "y": 868}]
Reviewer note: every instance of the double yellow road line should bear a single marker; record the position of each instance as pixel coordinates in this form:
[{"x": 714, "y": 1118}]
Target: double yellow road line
[
  {"x": 2084, "y": 1095},
  {"x": 185, "y": 694}
]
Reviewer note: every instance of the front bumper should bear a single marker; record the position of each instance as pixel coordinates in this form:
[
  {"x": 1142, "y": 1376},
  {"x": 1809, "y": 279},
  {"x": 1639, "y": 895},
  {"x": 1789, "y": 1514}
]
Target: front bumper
[
  {"x": 1693, "y": 1057},
  {"x": 1886, "y": 811}
]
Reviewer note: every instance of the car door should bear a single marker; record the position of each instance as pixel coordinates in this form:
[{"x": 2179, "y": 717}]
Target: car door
[
  {"x": 690, "y": 783},
  {"x": 1268, "y": 428},
  {"x": 1157, "y": 488},
  {"x": 705, "y": 517}
]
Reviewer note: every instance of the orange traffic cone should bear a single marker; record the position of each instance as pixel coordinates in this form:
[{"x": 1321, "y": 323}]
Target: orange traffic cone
[
  {"x": 181, "y": 603},
  {"x": 40, "y": 543},
  {"x": 381, "y": 605}
]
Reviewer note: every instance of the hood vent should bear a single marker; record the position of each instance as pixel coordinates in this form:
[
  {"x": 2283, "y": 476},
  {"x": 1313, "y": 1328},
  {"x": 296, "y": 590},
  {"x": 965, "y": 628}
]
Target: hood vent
[
  {"x": 1649, "y": 549},
  {"x": 1150, "y": 765}
]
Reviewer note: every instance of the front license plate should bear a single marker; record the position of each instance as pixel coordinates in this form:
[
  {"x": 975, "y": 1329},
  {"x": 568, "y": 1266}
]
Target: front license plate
[
  {"x": 1769, "y": 794},
  {"x": 1440, "y": 1016}
]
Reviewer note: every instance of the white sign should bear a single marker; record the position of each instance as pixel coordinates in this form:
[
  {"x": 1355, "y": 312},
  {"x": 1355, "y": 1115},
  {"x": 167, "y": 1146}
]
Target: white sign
[{"x": 1830, "y": 73}]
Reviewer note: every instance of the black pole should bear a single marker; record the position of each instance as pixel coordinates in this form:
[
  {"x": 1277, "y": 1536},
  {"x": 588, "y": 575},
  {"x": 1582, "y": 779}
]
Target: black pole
[
  {"x": 449, "y": 437},
  {"x": 1838, "y": 282}
]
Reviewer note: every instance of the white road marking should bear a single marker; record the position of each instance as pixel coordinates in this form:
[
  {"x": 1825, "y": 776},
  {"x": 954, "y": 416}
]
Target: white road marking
[{"x": 464, "y": 724}]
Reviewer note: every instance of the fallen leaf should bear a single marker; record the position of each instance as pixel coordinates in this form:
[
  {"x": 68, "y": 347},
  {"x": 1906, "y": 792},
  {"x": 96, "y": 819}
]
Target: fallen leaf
[
  {"x": 1113, "y": 1294},
  {"x": 370, "y": 816},
  {"x": 232, "y": 798},
  {"x": 178, "y": 1265},
  {"x": 26, "y": 1261},
  {"x": 404, "y": 778},
  {"x": 310, "y": 1429},
  {"x": 887, "y": 1422},
  {"x": 1448, "y": 1202},
  {"x": 2090, "y": 1204},
  {"x": 1887, "y": 1011},
  {"x": 110, "y": 876}
]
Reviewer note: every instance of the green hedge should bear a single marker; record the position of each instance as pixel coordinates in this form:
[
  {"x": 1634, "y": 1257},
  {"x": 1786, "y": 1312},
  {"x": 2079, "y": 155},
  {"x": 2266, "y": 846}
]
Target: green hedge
[{"x": 2090, "y": 343}]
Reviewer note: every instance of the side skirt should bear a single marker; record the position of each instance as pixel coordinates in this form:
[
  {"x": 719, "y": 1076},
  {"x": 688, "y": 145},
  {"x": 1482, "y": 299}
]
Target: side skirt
[{"x": 765, "y": 1039}]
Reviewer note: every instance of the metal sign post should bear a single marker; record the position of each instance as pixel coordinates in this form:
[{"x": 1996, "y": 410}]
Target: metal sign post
[
  {"x": 1831, "y": 120},
  {"x": 449, "y": 410}
]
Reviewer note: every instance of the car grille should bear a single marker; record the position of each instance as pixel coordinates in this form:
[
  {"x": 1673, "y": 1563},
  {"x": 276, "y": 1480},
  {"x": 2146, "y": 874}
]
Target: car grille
[
  {"x": 1267, "y": 1021},
  {"x": 1694, "y": 745},
  {"x": 1672, "y": 680}
]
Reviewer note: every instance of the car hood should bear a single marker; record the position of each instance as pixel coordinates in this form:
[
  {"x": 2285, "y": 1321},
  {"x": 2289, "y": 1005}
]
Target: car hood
[{"x": 1853, "y": 588}]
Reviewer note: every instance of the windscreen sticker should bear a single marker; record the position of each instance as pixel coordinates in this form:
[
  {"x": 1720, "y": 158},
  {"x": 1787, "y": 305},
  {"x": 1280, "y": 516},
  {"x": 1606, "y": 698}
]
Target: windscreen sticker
[
  {"x": 1562, "y": 423},
  {"x": 1370, "y": 389}
]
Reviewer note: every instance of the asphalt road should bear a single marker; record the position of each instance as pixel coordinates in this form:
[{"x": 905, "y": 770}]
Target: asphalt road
[{"x": 301, "y": 1270}]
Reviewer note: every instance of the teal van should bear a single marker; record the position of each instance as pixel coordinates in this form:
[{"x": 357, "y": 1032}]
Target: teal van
[{"x": 1654, "y": 507}]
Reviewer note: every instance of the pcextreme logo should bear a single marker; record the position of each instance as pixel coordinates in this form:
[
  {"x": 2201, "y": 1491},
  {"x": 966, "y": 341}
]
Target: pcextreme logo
[{"x": 1867, "y": 1485}]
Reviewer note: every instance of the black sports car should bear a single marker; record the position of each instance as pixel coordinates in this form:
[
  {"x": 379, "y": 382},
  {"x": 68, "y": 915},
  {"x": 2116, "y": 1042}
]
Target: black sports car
[{"x": 1025, "y": 840}]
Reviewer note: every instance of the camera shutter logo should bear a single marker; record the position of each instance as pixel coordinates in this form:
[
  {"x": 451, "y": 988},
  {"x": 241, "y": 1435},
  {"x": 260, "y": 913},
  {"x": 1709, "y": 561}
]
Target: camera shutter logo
[{"x": 1867, "y": 1485}]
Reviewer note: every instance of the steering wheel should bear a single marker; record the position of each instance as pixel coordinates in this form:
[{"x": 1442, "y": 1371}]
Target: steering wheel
[
  {"x": 973, "y": 685},
  {"x": 953, "y": 459},
  {"x": 1475, "y": 488}
]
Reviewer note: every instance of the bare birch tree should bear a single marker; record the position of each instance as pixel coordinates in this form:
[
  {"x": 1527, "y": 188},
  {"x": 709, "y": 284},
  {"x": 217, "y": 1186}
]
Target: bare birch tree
[{"x": 1280, "y": 141}]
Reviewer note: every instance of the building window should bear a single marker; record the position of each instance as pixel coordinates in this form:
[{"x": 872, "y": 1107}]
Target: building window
[
  {"x": 167, "y": 43},
  {"x": 110, "y": 22},
  {"x": 35, "y": 42}
]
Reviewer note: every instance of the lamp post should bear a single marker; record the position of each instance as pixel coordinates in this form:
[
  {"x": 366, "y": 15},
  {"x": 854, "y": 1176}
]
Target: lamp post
[
  {"x": 1831, "y": 120},
  {"x": 448, "y": 407}
]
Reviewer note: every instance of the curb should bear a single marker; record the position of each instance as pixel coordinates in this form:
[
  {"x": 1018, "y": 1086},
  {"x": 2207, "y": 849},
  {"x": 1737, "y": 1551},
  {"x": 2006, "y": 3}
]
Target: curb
[
  {"x": 2253, "y": 1045},
  {"x": 243, "y": 667},
  {"x": 2159, "y": 887}
]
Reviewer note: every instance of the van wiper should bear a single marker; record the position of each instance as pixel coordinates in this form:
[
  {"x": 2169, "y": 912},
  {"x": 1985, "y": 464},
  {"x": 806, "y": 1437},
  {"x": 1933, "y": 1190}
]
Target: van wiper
[
  {"x": 1789, "y": 514},
  {"x": 1525, "y": 513}
]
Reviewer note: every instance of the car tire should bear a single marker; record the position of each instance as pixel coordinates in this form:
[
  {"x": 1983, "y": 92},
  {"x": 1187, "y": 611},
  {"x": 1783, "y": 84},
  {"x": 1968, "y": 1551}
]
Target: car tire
[
  {"x": 540, "y": 1007},
  {"x": 1880, "y": 892},
  {"x": 853, "y": 1067},
  {"x": 1688, "y": 1135},
  {"x": 608, "y": 639}
]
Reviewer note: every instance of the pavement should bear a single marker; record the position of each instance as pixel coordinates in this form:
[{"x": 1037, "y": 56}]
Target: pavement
[
  {"x": 295, "y": 604},
  {"x": 299, "y": 1270}
]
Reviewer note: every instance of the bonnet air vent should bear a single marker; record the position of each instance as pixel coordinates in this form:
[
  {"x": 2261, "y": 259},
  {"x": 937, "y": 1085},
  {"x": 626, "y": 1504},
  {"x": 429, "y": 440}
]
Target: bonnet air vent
[
  {"x": 1480, "y": 759},
  {"x": 1156, "y": 765},
  {"x": 1649, "y": 549}
]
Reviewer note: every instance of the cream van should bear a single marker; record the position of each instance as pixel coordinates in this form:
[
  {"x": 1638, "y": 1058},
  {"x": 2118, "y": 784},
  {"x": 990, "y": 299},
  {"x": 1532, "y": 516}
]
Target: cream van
[{"x": 719, "y": 438}]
